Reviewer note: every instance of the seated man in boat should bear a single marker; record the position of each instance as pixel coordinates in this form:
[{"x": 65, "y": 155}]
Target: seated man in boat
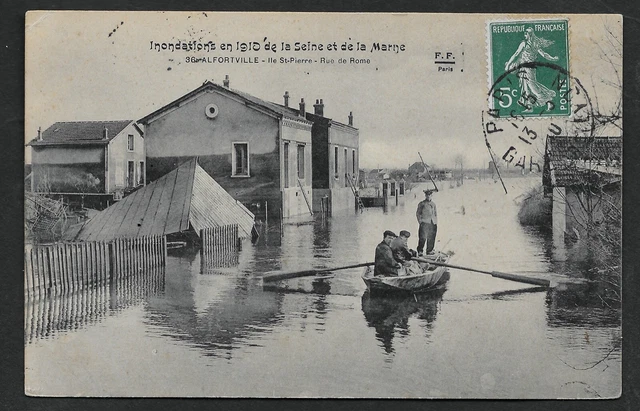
[
  {"x": 385, "y": 264},
  {"x": 403, "y": 254}
]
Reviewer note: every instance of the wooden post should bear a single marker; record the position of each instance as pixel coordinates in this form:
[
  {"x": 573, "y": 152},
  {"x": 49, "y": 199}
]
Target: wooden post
[
  {"x": 58, "y": 268},
  {"x": 164, "y": 250},
  {"x": 28, "y": 282},
  {"x": 85, "y": 264},
  {"x": 111, "y": 248}
]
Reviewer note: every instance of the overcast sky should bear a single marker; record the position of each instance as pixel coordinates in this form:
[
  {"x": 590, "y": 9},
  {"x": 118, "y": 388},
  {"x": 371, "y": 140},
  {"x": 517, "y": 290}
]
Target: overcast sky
[{"x": 100, "y": 66}]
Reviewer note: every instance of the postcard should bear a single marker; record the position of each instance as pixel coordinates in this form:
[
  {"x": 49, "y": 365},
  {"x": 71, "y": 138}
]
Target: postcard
[{"x": 329, "y": 205}]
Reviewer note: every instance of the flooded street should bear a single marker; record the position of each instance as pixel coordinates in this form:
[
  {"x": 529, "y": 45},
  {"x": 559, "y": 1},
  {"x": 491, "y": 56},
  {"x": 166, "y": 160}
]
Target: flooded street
[{"x": 203, "y": 330}]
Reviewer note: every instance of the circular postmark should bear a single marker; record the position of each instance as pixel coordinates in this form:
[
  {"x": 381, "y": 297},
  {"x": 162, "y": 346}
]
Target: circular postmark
[{"x": 516, "y": 125}]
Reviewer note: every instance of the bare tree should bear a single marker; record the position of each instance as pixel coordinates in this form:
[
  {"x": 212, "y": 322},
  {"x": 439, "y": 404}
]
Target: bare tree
[{"x": 459, "y": 161}]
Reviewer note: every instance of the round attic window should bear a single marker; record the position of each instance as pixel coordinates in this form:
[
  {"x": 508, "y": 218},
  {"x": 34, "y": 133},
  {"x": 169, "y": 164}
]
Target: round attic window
[{"x": 211, "y": 111}]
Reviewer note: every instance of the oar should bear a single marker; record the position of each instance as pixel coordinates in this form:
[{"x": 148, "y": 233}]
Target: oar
[
  {"x": 497, "y": 274},
  {"x": 267, "y": 278}
]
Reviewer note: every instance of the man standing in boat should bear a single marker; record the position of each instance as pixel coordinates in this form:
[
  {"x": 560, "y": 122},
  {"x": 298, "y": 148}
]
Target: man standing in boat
[
  {"x": 385, "y": 264},
  {"x": 427, "y": 216}
]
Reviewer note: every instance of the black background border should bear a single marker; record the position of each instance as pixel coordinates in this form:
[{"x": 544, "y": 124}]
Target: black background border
[{"x": 12, "y": 191}]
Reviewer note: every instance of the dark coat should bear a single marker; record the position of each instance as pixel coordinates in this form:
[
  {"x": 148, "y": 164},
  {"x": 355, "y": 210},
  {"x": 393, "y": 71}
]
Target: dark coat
[
  {"x": 400, "y": 250},
  {"x": 385, "y": 264}
]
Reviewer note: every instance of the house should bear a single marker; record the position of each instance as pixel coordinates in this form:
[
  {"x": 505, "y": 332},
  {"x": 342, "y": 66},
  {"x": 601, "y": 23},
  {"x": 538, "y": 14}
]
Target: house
[
  {"x": 258, "y": 151},
  {"x": 583, "y": 177},
  {"x": 185, "y": 200},
  {"x": 93, "y": 162},
  {"x": 336, "y": 154}
]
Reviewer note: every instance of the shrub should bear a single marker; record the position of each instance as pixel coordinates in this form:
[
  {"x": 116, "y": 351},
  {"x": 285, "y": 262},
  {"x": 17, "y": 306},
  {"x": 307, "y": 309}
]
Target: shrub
[{"x": 535, "y": 209}]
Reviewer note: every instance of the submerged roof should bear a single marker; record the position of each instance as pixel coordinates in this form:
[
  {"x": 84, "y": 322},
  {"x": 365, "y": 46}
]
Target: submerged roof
[
  {"x": 185, "y": 198},
  {"x": 582, "y": 160},
  {"x": 81, "y": 132}
]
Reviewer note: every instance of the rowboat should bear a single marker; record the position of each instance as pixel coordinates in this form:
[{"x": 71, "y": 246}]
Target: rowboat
[{"x": 432, "y": 277}]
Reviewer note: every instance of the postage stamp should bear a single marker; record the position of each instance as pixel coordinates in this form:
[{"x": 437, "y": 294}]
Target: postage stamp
[{"x": 529, "y": 68}]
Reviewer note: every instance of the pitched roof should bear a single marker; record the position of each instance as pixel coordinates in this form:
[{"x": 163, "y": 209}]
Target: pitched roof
[
  {"x": 314, "y": 117},
  {"x": 582, "y": 160},
  {"x": 185, "y": 197},
  {"x": 272, "y": 108},
  {"x": 81, "y": 132}
]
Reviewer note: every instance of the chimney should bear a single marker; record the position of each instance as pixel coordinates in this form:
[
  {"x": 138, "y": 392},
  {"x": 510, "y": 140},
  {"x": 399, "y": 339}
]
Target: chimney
[
  {"x": 105, "y": 133},
  {"x": 286, "y": 99},
  {"x": 39, "y": 134},
  {"x": 302, "y": 112},
  {"x": 318, "y": 108},
  {"x": 225, "y": 82},
  {"x": 351, "y": 118}
]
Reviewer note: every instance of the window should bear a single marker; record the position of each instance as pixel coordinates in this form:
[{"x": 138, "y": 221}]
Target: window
[
  {"x": 285, "y": 154},
  {"x": 240, "y": 160},
  {"x": 131, "y": 174},
  {"x": 301, "y": 162},
  {"x": 346, "y": 167},
  {"x": 141, "y": 174},
  {"x": 353, "y": 162},
  {"x": 335, "y": 163},
  {"x": 130, "y": 142}
]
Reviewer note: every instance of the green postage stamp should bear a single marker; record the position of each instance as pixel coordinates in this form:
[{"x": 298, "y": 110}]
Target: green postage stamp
[{"x": 529, "y": 68}]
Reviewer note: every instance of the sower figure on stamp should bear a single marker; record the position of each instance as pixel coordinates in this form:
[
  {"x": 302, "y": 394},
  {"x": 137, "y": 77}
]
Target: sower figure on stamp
[
  {"x": 427, "y": 216},
  {"x": 532, "y": 92}
]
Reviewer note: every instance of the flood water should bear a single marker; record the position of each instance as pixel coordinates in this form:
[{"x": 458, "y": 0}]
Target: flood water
[{"x": 211, "y": 329}]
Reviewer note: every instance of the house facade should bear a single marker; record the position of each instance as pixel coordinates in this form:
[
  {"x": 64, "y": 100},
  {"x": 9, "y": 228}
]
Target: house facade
[
  {"x": 259, "y": 152},
  {"x": 336, "y": 160},
  {"x": 97, "y": 161},
  {"x": 583, "y": 177}
]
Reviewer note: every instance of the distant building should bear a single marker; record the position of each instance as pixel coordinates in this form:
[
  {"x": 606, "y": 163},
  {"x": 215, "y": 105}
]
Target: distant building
[
  {"x": 336, "y": 154},
  {"x": 258, "y": 151},
  {"x": 93, "y": 162},
  {"x": 577, "y": 167}
]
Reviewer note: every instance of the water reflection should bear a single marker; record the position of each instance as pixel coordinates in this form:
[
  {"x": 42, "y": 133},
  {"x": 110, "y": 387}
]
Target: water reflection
[
  {"x": 215, "y": 310},
  {"x": 389, "y": 315},
  {"x": 580, "y": 305},
  {"x": 46, "y": 318}
]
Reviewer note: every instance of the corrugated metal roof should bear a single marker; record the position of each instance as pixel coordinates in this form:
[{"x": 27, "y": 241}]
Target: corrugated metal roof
[
  {"x": 81, "y": 132},
  {"x": 212, "y": 206},
  {"x": 583, "y": 160},
  {"x": 186, "y": 197}
]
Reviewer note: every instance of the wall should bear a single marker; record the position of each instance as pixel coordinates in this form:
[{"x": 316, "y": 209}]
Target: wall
[
  {"x": 119, "y": 155},
  {"x": 342, "y": 199},
  {"x": 559, "y": 215},
  {"x": 320, "y": 156},
  {"x": 78, "y": 169},
  {"x": 293, "y": 197},
  {"x": 342, "y": 137},
  {"x": 579, "y": 207},
  {"x": 185, "y": 132}
]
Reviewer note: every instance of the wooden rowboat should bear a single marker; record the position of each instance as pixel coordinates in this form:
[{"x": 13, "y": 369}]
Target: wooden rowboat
[{"x": 432, "y": 277}]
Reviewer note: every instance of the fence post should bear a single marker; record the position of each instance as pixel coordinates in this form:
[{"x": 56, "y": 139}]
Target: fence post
[
  {"x": 28, "y": 270},
  {"x": 164, "y": 250}
]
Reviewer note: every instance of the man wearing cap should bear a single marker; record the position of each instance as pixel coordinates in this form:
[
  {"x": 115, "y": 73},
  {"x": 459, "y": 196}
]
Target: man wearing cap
[
  {"x": 403, "y": 254},
  {"x": 400, "y": 247},
  {"x": 427, "y": 216},
  {"x": 385, "y": 264}
]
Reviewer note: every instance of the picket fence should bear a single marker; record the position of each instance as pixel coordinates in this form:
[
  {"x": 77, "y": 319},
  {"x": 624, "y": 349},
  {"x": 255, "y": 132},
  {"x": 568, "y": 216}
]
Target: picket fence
[{"x": 68, "y": 267}]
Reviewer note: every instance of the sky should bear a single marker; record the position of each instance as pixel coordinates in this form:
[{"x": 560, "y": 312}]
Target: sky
[{"x": 83, "y": 66}]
